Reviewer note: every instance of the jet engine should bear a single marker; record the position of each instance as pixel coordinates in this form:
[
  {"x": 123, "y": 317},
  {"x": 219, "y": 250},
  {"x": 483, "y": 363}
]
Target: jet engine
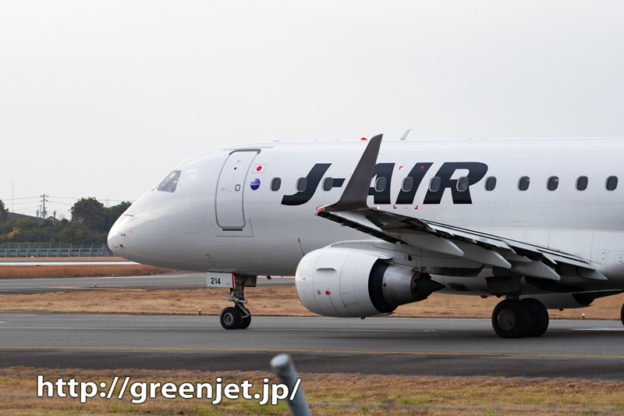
[{"x": 347, "y": 282}]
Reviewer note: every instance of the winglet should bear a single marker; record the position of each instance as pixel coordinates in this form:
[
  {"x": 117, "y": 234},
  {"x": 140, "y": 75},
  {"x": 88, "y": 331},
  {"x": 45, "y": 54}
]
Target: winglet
[{"x": 356, "y": 192}]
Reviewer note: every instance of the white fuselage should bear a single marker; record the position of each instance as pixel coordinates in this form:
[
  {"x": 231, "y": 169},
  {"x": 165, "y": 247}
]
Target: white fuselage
[{"x": 224, "y": 216}]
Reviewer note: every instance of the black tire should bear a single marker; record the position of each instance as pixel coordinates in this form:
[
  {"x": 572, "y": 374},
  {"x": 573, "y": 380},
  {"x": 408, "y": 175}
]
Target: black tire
[
  {"x": 511, "y": 319},
  {"x": 622, "y": 314},
  {"x": 539, "y": 317},
  {"x": 230, "y": 318},
  {"x": 245, "y": 322}
]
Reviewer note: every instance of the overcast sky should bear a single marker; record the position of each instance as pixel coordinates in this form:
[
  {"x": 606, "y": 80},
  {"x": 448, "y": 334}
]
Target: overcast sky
[{"x": 103, "y": 98}]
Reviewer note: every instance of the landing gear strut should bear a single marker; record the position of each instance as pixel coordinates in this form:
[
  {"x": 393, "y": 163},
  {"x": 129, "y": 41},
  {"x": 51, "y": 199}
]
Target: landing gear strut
[
  {"x": 238, "y": 316},
  {"x": 514, "y": 318}
]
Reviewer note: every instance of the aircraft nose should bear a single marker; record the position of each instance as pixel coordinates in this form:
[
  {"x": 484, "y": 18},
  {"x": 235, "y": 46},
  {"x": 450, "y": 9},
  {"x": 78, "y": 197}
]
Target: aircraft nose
[{"x": 116, "y": 237}]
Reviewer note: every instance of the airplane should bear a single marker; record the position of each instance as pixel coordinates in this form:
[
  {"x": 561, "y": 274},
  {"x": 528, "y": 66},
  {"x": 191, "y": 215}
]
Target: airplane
[{"x": 366, "y": 227}]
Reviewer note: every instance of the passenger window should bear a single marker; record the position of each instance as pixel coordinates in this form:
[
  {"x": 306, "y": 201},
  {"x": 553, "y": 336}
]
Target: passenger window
[
  {"x": 434, "y": 184},
  {"x": 490, "y": 183},
  {"x": 302, "y": 184},
  {"x": 523, "y": 183},
  {"x": 170, "y": 183},
  {"x": 553, "y": 183},
  {"x": 380, "y": 184},
  {"x": 328, "y": 184},
  {"x": 581, "y": 183},
  {"x": 462, "y": 184},
  {"x": 612, "y": 182},
  {"x": 408, "y": 184},
  {"x": 276, "y": 183}
]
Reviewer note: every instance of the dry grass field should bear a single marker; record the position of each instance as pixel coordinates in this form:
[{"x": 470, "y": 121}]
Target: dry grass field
[
  {"x": 328, "y": 394},
  {"x": 17, "y": 272},
  {"x": 263, "y": 301},
  {"x": 59, "y": 259},
  {"x": 14, "y": 272},
  {"x": 267, "y": 301}
]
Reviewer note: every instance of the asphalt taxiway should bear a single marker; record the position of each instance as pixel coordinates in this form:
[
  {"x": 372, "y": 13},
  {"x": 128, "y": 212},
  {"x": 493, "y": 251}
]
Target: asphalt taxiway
[
  {"x": 446, "y": 347},
  {"x": 173, "y": 280}
]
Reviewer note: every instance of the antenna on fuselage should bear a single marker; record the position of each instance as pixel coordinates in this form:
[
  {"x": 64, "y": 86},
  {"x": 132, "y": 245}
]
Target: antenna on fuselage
[{"x": 407, "y": 132}]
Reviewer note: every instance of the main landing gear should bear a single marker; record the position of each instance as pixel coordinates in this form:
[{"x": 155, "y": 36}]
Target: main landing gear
[
  {"x": 515, "y": 318},
  {"x": 238, "y": 316}
]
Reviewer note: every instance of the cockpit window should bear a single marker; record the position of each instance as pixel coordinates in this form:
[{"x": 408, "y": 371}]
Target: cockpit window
[{"x": 170, "y": 183}]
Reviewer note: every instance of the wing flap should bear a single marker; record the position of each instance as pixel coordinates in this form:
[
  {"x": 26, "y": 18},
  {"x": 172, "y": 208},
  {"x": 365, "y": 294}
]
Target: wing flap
[
  {"x": 483, "y": 255},
  {"x": 537, "y": 269},
  {"x": 430, "y": 242},
  {"x": 521, "y": 258}
]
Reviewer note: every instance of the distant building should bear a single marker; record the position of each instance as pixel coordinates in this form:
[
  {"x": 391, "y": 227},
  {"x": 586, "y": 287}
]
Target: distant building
[{"x": 14, "y": 216}]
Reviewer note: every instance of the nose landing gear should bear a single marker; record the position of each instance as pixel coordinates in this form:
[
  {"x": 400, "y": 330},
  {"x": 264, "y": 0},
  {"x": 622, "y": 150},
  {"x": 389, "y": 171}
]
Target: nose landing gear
[
  {"x": 238, "y": 316},
  {"x": 514, "y": 318}
]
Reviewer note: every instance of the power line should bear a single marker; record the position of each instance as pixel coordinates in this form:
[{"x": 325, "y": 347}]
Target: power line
[
  {"x": 73, "y": 198},
  {"x": 26, "y": 197},
  {"x": 60, "y": 203},
  {"x": 67, "y": 197},
  {"x": 22, "y": 202}
]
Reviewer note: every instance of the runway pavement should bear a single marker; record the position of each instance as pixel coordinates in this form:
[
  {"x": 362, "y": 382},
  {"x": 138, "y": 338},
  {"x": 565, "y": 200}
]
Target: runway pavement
[
  {"x": 174, "y": 280},
  {"x": 446, "y": 347}
]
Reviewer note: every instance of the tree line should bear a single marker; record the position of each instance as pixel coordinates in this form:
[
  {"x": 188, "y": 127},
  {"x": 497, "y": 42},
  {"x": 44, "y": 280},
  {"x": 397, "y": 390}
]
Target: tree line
[{"x": 90, "y": 223}]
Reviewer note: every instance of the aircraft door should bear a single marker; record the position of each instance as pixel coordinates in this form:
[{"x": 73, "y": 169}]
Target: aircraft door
[{"x": 230, "y": 189}]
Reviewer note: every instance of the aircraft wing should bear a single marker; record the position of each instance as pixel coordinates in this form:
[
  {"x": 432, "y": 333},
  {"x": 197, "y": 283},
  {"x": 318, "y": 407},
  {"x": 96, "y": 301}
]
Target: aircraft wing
[{"x": 489, "y": 250}]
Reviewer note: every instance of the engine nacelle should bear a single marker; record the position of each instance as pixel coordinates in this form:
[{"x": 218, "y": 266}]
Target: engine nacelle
[{"x": 348, "y": 282}]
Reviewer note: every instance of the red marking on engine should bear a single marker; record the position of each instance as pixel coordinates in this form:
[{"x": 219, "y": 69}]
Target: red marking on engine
[
  {"x": 327, "y": 292},
  {"x": 393, "y": 206},
  {"x": 400, "y": 167},
  {"x": 363, "y": 139},
  {"x": 416, "y": 207},
  {"x": 259, "y": 168}
]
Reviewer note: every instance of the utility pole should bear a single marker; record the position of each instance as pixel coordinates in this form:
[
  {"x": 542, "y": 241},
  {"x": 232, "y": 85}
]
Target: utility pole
[{"x": 44, "y": 199}]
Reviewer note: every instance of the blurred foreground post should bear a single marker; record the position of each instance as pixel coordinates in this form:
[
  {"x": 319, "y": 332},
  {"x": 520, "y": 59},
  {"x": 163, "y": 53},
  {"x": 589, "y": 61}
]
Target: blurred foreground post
[{"x": 285, "y": 369}]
